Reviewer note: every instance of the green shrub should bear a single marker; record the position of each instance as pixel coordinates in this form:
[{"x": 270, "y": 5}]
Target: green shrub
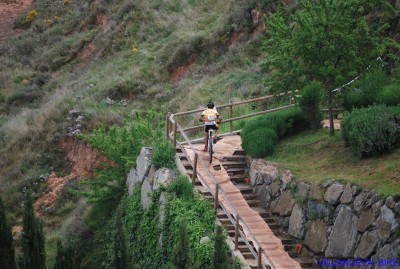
[
  {"x": 373, "y": 130},
  {"x": 390, "y": 95},
  {"x": 260, "y": 142},
  {"x": 163, "y": 154},
  {"x": 181, "y": 188},
  {"x": 279, "y": 124},
  {"x": 368, "y": 89},
  {"x": 311, "y": 97}
]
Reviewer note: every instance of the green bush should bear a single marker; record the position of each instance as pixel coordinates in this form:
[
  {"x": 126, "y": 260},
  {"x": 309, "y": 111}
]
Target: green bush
[
  {"x": 260, "y": 142},
  {"x": 311, "y": 97},
  {"x": 163, "y": 154},
  {"x": 390, "y": 95},
  {"x": 373, "y": 130},
  {"x": 181, "y": 188},
  {"x": 367, "y": 91}
]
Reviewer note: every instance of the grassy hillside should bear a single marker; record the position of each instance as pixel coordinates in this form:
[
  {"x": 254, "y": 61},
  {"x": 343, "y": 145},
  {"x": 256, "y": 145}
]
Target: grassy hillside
[{"x": 162, "y": 55}]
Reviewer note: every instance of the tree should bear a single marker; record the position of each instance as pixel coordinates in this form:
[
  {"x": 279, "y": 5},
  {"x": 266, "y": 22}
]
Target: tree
[
  {"x": 121, "y": 257},
  {"x": 64, "y": 258},
  {"x": 324, "y": 40},
  {"x": 34, "y": 255},
  {"x": 7, "y": 252},
  {"x": 221, "y": 260},
  {"x": 182, "y": 257}
]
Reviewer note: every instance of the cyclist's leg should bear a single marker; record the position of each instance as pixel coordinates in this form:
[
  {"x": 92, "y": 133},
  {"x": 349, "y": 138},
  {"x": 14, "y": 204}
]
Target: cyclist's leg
[
  {"x": 216, "y": 128},
  {"x": 205, "y": 138}
]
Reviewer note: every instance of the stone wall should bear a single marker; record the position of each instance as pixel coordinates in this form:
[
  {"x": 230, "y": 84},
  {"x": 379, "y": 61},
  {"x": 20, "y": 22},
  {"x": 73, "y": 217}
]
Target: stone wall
[{"x": 331, "y": 220}]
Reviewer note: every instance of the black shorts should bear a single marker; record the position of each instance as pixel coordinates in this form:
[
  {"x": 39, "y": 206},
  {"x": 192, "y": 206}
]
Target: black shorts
[{"x": 208, "y": 127}]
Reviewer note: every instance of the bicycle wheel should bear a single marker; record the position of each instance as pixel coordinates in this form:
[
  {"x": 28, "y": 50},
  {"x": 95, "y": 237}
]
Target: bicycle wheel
[{"x": 210, "y": 145}]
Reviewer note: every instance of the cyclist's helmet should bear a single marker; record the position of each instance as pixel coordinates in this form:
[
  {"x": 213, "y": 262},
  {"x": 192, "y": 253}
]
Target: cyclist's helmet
[{"x": 210, "y": 105}]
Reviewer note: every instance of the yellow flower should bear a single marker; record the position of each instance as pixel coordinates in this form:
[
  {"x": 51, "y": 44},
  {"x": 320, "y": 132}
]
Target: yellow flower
[
  {"x": 25, "y": 82},
  {"x": 56, "y": 18},
  {"x": 31, "y": 15},
  {"x": 134, "y": 49},
  {"x": 48, "y": 21},
  {"x": 66, "y": 2}
]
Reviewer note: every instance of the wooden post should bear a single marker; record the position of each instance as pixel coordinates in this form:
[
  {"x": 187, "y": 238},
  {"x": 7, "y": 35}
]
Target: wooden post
[
  {"x": 259, "y": 258},
  {"x": 230, "y": 116},
  {"x": 216, "y": 198},
  {"x": 167, "y": 124},
  {"x": 175, "y": 128},
  {"x": 196, "y": 155},
  {"x": 237, "y": 232}
]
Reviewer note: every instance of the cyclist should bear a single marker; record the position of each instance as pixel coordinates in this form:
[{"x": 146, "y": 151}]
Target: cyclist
[{"x": 210, "y": 117}]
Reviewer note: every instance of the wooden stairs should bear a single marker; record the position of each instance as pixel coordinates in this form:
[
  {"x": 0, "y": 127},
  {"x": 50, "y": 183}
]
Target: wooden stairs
[{"x": 236, "y": 167}]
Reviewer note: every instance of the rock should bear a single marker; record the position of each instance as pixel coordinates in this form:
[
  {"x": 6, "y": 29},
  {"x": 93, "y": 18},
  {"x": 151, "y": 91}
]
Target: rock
[
  {"x": 262, "y": 172},
  {"x": 284, "y": 205},
  {"x": 145, "y": 194},
  {"x": 316, "y": 236},
  {"x": 388, "y": 253},
  {"x": 303, "y": 189},
  {"x": 374, "y": 198},
  {"x": 132, "y": 181},
  {"x": 347, "y": 196},
  {"x": 398, "y": 4},
  {"x": 333, "y": 193},
  {"x": 386, "y": 223},
  {"x": 286, "y": 178},
  {"x": 356, "y": 190},
  {"x": 359, "y": 201},
  {"x": 397, "y": 208},
  {"x": 316, "y": 193},
  {"x": 316, "y": 210},
  {"x": 296, "y": 222},
  {"x": 275, "y": 188},
  {"x": 264, "y": 195},
  {"x": 365, "y": 221},
  {"x": 163, "y": 177},
  {"x": 143, "y": 163},
  {"x": 204, "y": 240},
  {"x": 390, "y": 202},
  {"x": 344, "y": 233},
  {"x": 367, "y": 244},
  {"x": 376, "y": 208}
]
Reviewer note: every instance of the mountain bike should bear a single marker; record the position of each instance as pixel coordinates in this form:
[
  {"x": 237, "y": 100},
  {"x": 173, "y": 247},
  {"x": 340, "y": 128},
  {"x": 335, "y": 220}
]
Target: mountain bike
[{"x": 210, "y": 144}]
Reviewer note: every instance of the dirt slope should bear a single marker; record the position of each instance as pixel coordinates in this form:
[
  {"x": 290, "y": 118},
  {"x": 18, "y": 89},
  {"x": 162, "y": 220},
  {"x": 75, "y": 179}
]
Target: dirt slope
[{"x": 9, "y": 11}]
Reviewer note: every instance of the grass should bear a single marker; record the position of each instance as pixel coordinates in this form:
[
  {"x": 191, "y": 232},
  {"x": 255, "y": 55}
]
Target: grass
[{"x": 316, "y": 157}]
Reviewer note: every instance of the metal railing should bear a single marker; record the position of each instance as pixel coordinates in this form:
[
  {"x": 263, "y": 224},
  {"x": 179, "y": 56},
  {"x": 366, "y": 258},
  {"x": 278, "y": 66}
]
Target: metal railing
[{"x": 172, "y": 128}]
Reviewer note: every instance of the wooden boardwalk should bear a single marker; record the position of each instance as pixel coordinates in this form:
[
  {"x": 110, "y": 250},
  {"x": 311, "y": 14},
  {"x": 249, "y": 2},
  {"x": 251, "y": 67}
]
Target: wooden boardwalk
[{"x": 235, "y": 203}]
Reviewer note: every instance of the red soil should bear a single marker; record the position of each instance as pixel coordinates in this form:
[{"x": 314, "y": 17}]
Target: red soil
[{"x": 9, "y": 11}]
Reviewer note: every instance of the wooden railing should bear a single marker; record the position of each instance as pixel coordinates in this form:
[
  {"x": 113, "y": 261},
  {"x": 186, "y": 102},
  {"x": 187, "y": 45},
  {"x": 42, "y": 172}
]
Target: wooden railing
[{"x": 173, "y": 128}]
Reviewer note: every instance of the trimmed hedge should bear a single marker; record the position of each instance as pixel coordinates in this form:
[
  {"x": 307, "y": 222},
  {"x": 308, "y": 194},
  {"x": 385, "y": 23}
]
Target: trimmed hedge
[
  {"x": 259, "y": 136},
  {"x": 260, "y": 142},
  {"x": 373, "y": 130}
]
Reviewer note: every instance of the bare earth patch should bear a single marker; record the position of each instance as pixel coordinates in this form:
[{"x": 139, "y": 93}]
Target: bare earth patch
[{"x": 9, "y": 11}]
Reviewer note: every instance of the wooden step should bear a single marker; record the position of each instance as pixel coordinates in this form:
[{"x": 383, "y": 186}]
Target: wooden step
[
  {"x": 305, "y": 263},
  {"x": 237, "y": 158},
  {"x": 249, "y": 196},
  {"x": 238, "y": 178},
  {"x": 236, "y": 170},
  {"x": 233, "y": 164},
  {"x": 243, "y": 188},
  {"x": 263, "y": 213},
  {"x": 239, "y": 152}
]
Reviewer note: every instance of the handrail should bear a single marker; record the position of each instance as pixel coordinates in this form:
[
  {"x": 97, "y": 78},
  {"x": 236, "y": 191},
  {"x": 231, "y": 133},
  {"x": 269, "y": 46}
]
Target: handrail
[{"x": 170, "y": 121}]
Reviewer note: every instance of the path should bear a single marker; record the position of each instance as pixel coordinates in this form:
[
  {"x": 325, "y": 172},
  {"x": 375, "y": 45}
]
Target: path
[{"x": 264, "y": 235}]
